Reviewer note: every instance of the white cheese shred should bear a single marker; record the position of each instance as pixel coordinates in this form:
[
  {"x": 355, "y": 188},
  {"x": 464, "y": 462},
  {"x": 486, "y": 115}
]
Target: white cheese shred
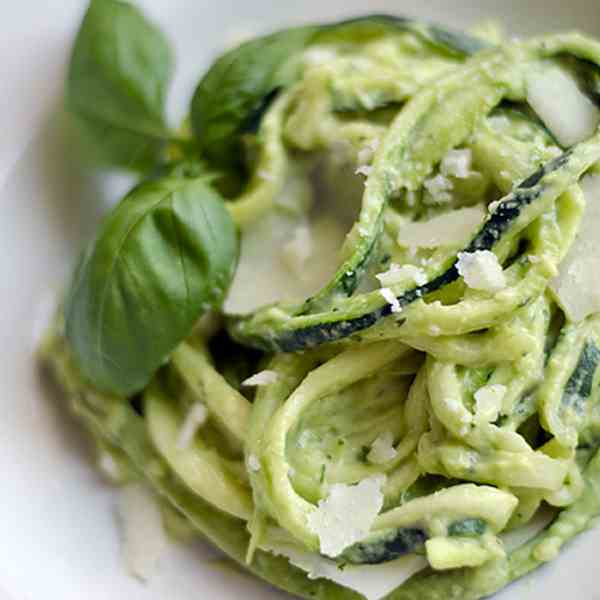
[
  {"x": 576, "y": 287},
  {"x": 364, "y": 170},
  {"x": 195, "y": 418},
  {"x": 253, "y": 463},
  {"x": 402, "y": 274},
  {"x": 488, "y": 402},
  {"x": 347, "y": 514},
  {"x": 450, "y": 229},
  {"x": 457, "y": 163},
  {"x": 365, "y": 155},
  {"x": 481, "y": 270},
  {"x": 569, "y": 114},
  {"x": 263, "y": 378},
  {"x": 382, "y": 450},
  {"x": 391, "y": 299},
  {"x": 439, "y": 187}
]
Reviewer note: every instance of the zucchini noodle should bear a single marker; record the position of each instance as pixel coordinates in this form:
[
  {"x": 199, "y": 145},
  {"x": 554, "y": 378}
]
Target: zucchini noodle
[{"x": 441, "y": 410}]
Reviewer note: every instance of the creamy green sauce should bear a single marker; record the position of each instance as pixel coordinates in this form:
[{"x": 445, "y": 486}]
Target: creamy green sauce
[{"x": 462, "y": 399}]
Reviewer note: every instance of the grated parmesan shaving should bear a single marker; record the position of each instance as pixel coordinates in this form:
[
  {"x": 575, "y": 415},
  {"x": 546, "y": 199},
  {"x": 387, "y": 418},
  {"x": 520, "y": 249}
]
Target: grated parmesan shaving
[
  {"x": 365, "y": 155},
  {"x": 382, "y": 449},
  {"x": 574, "y": 118},
  {"x": 363, "y": 170},
  {"x": 457, "y": 163},
  {"x": 575, "y": 286},
  {"x": 391, "y": 299},
  {"x": 263, "y": 378},
  {"x": 195, "y": 418},
  {"x": 397, "y": 274},
  {"x": 488, "y": 402},
  {"x": 374, "y": 582},
  {"x": 450, "y": 229},
  {"x": 253, "y": 463},
  {"x": 481, "y": 270},
  {"x": 439, "y": 187},
  {"x": 347, "y": 514},
  {"x": 494, "y": 205}
]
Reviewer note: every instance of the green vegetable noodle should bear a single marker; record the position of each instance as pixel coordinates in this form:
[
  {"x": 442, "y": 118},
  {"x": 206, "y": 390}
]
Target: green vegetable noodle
[{"x": 346, "y": 327}]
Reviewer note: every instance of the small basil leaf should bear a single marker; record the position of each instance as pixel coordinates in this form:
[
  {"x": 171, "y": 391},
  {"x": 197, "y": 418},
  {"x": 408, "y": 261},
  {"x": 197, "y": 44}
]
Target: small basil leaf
[
  {"x": 234, "y": 89},
  {"x": 117, "y": 83},
  {"x": 164, "y": 255}
]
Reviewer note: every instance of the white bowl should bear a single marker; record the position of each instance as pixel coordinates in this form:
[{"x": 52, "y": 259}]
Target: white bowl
[{"x": 57, "y": 526}]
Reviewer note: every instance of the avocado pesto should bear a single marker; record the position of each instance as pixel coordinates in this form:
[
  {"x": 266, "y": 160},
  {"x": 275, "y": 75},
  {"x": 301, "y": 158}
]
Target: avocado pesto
[{"x": 346, "y": 326}]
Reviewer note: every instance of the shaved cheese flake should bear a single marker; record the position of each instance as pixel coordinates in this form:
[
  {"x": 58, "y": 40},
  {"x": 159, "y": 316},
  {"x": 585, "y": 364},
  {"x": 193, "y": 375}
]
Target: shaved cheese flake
[
  {"x": 488, "y": 402},
  {"x": 575, "y": 286},
  {"x": 391, "y": 299},
  {"x": 396, "y": 274},
  {"x": 494, "y": 205},
  {"x": 382, "y": 449},
  {"x": 456, "y": 407},
  {"x": 263, "y": 378},
  {"x": 457, "y": 163},
  {"x": 253, "y": 463},
  {"x": 144, "y": 537},
  {"x": 364, "y": 170},
  {"x": 365, "y": 155},
  {"x": 371, "y": 581},
  {"x": 195, "y": 418},
  {"x": 562, "y": 106},
  {"x": 481, "y": 270},
  {"x": 514, "y": 538},
  {"x": 347, "y": 514},
  {"x": 439, "y": 188},
  {"x": 450, "y": 229}
]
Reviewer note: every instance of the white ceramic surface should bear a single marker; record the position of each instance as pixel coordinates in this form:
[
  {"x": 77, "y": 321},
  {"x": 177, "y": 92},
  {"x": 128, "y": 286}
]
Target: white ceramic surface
[{"x": 58, "y": 538}]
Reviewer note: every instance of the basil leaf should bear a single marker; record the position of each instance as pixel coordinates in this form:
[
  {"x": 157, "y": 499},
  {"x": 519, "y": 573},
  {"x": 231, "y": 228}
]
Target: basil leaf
[
  {"x": 237, "y": 88},
  {"x": 166, "y": 254},
  {"x": 117, "y": 85}
]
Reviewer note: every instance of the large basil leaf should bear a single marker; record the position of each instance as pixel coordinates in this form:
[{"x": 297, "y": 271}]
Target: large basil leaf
[
  {"x": 238, "y": 86},
  {"x": 237, "y": 89},
  {"x": 117, "y": 84},
  {"x": 165, "y": 255}
]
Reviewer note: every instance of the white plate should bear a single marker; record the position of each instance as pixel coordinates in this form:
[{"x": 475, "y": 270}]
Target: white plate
[{"x": 57, "y": 529}]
